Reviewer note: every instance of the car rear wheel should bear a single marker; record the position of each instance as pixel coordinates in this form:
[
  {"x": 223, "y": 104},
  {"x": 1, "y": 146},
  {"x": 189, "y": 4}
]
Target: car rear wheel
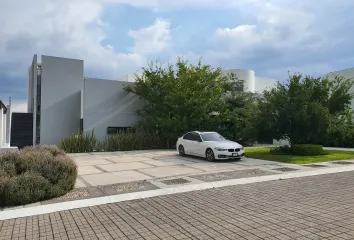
[
  {"x": 181, "y": 150},
  {"x": 209, "y": 154}
]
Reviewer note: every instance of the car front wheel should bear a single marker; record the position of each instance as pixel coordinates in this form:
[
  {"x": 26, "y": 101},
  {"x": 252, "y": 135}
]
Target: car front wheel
[
  {"x": 210, "y": 155},
  {"x": 181, "y": 150}
]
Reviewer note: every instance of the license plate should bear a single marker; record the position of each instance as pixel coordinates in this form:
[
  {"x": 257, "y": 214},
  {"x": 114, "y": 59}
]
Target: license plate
[{"x": 235, "y": 154}]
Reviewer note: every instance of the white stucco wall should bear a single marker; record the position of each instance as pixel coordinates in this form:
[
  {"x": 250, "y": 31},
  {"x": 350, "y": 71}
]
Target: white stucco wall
[
  {"x": 262, "y": 84},
  {"x": 128, "y": 78},
  {"x": 8, "y": 125},
  {"x": 62, "y": 81},
  {"x": 32, "y": 92},
  {"x": 2, "y": 126},
  {"x": 248, "y": 76},
  {"x": 106, "y": 104},
  {"x": 347, "y": 73}
]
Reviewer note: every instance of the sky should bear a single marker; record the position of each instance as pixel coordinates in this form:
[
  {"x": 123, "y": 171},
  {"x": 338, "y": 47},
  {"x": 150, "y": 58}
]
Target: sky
[{"x": 117, "y": 37}]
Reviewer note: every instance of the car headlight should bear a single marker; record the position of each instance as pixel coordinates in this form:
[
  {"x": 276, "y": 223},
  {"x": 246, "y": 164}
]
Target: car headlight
[{"x": 220, "y": 149}]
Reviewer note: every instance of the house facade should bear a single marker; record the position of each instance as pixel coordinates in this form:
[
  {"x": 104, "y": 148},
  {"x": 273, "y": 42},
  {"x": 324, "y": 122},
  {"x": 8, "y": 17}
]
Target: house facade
[{"x": 63, "y": 101}]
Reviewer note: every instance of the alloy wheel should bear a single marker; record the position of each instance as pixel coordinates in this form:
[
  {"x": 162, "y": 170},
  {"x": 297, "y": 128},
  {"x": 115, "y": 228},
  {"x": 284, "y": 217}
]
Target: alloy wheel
[
  {"x": 210, "y": 155},
  {"x": 181, "y": 150}
]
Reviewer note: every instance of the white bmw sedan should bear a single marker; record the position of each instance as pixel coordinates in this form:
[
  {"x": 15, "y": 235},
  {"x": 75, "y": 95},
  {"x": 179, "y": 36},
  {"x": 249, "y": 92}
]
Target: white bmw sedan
[{"x": 210, "y": 145}]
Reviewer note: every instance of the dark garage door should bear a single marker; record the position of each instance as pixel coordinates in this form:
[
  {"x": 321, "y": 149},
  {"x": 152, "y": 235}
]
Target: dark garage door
[{"x": 22, "y": 129}]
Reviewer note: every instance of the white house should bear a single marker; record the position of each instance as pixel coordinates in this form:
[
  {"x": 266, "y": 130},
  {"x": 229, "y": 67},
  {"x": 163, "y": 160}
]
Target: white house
[{"x": 62, "y": 100}]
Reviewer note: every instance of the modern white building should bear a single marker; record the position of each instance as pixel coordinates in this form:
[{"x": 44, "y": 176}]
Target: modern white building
[
  {"x": 252, "y": 83},
  {"x": 64, "y": 101},
  {"x": 347, "y": 73}
]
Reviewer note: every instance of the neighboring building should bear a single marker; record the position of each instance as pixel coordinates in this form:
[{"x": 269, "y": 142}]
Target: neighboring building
[
  {"x": 5, "y": 127},
  {"x": 347, "y": 73},
  {"x": 63, "y": 101},
  {"x": 252, "y": 83}
]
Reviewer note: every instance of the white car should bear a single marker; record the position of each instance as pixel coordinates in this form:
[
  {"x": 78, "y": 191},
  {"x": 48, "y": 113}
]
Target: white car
[{"x": 210, "y": 145}]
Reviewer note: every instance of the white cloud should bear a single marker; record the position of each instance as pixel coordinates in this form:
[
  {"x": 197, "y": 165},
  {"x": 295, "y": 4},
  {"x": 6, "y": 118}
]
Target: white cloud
[
  {"x": 276, "y": 26},
  {"x": 152, "y": 39},
  {"x": 72, "y": 29}
]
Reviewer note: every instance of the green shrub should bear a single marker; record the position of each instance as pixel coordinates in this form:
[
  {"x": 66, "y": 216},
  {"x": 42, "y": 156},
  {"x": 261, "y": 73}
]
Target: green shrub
[
  {"x": 4, "y": 179},
  {"x": 35, "y": 174},
  {"x": 282, "y": 150},
  {"x": 131, "y": 140},
  {"x": 26, "y": 188},
  {"x": 340, "y": 135},
  {"x": 307, "y": 149},
  {"x": 79, "y": 142}
]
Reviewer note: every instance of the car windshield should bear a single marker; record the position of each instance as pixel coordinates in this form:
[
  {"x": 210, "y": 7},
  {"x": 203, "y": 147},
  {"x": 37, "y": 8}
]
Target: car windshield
[{"x": 212, "y": 137}]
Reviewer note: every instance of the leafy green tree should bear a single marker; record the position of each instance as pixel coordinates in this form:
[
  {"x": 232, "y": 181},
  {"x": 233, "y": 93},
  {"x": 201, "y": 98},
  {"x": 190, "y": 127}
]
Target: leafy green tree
[
  {"x": 238, "y": 114},
  {"x": 180, "y": 98},
  {"x": 302, "y": 110}
]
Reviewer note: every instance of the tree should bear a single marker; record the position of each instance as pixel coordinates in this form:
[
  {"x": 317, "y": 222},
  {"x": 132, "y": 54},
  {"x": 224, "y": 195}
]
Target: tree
[
  {"x": 180, "y": 98},
  {"x": 301, "y": 110},
  {"x": 238, "y": 113}
]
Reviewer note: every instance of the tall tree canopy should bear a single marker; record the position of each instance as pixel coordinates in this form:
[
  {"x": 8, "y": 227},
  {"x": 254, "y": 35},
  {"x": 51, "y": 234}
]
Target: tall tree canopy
[
  {"x": 181, "y": 97},
  {"x": 303, "y": 109}
]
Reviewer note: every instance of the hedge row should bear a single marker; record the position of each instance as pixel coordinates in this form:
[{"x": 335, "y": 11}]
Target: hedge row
[{"x": 298, "y": 149}]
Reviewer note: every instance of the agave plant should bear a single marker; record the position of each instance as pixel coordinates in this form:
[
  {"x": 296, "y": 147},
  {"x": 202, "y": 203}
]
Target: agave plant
[
  {"x": 79, "y": 142},
  {"x": 138, "y": 139}
]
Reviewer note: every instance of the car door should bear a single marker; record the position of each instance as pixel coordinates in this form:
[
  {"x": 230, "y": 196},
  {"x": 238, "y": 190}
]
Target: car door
[
  {"x": 197, "y": 145},
  {"x": 187, "y": 143}
]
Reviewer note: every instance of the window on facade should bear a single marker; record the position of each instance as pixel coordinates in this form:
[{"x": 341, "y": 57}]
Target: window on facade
[
  {"x": 115, "y": 130},
  {"x": 38, "y": 108}
]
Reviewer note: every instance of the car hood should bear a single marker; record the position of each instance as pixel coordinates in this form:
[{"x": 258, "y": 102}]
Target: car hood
[{"x": 223, "y": 144}]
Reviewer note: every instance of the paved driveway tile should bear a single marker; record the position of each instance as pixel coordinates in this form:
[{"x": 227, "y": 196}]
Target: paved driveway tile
[
  {"x": 124, "y": 166},
  {"x": 115, "y": 177},
  {"x": 91, "y": 161},
  {"x": 169, "y": 171},
  {"x": 125, "y": 158},
  {"x": 85, "y": 170},
  {"x": 168, "y": 162}
]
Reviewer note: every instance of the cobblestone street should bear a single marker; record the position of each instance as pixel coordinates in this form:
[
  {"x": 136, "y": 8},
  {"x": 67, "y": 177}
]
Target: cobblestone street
[{"x": 320, "y": 207}]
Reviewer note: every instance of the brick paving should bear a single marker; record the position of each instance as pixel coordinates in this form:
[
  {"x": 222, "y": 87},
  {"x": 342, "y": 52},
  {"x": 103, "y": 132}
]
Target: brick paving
[{"x": 320, "y": 207}]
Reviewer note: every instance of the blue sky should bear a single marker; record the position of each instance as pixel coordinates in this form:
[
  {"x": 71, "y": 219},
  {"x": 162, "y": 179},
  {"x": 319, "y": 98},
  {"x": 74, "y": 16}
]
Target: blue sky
[{"x": 116, "y": 37}]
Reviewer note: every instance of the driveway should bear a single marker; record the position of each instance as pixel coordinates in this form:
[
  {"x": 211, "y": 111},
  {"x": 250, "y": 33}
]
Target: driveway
[
  {"x": 318, "y": 207},
  {"x": 97, "y": 169}
]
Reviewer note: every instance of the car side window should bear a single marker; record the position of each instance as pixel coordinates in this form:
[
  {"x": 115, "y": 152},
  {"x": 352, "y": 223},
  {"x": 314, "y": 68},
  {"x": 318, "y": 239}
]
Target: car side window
[
  {"x": 196, "y": 137},
  {"x": 188, "y": 136}
]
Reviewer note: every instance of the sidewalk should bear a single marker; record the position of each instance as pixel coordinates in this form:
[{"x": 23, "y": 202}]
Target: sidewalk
[
  {"x": 317, "y": 207},
  {"x": 114, "y": 177}
]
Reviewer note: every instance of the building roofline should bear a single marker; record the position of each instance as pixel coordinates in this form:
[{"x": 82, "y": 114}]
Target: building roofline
[{"x": 337, "y": 71}]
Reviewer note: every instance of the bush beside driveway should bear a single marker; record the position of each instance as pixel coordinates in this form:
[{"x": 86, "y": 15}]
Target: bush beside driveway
[
  {"x": 328, "y": 155},
  {"x": 35, "y": 174}
]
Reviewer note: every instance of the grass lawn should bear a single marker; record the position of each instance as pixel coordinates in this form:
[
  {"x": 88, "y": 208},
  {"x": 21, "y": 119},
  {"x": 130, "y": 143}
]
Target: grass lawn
[{"x": 263, "y": 153}]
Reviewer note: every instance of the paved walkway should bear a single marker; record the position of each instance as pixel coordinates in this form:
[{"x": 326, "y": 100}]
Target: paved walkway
[{"x": 319, "y": 207}]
